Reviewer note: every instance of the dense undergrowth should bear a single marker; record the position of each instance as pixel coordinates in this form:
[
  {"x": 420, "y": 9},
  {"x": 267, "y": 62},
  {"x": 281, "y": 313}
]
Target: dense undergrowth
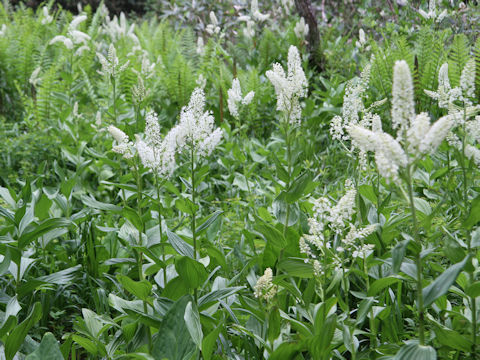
[{"x": 171, "y": 191}]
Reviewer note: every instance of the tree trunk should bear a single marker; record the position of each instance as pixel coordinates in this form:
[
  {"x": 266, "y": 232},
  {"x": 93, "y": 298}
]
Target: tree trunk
[{"x": 305, "y": 9}]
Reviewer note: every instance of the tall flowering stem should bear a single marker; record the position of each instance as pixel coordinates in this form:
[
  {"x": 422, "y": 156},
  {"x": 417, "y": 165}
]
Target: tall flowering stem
[
  {"x": 289, "y": 88},
  {"x": 195, "y": 134},
  {"x": 194, "y": 217},
  {"x": 127, "y": 149},
  {"x": 396, "y": 158},
  {"x": 111, "y": 69},
  {"x": 418, "y": 260}
]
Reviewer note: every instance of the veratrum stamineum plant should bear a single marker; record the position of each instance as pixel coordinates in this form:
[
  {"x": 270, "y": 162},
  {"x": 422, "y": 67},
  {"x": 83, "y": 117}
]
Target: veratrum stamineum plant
[
  {"x": 396, "y": 160},
  {"x": 289, "y": 87}
]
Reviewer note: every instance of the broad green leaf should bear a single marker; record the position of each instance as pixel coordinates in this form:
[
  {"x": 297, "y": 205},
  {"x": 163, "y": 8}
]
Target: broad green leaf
[
  {"x": 296, "y": 267},
  {"x": 363, "y": 309},
  {"x": 133, "y": 217},
  {"x": 274, "y": 324},
  {"x": 13, "y": 307},
  {"x": 380, "y": 284},
  {"x": 287, "y": 350},
  {"x": 474, "y": 214},
  {"x": 43, "y": 228},
  {"x": 297, "y": 188},
  {"x": 48, "y": 349},
  {"x": 5, "y": 264},
  {"x": 8, "y": 215},
  {"x": 209, "y": 342},
  {"x": 217, "y": 295},
  {"x": 18, "y": 334},
  {"x": 441, "y": 284},
  {"x": 475, "y": 238},
  {"x": 62, "y": 277},
  {"x": 192, "y": 319},
  {"x": 209, "y": 221},
  {"x": 368, "y": 193},
  {"x": 180, "y": 245},
  {"x": 281, "y": 208},
  {"x": 451, "y": 338},
  {"x": 87, "y": 344},
  {"x": 422, "y": 205},
  {"x": 141, "y": 289},
  {"x": 320, "y": 343},
  {"x": 95, "y": 204},
  {"x": 473, "y": 290},
  {"x": 414, "y": 351},
  {"x": 398, "y": 253},
  {"x": 192, "y": 272},
  {"x": 272, "y": 235},
  {"x": 7, "y": 196},
  {"x": 186, "y": 206},
  {"x": 173, "y": 340}
]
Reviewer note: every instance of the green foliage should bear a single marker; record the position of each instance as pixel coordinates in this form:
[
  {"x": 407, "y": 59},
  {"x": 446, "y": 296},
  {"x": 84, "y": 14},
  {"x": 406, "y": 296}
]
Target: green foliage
[{"x": 231, "y": 256}]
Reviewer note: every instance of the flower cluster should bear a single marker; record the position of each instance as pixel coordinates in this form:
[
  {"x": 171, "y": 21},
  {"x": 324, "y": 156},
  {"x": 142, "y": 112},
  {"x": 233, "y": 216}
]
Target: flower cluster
[
  {"x": 264, "y": 287},
  {"x": 433, "y": 12},
  {"x": 446, "y": 95},
  {"x": 47, "y": 18},
  {"x": 413, "y": 131},
  {"x": 156, "y": 153},
  {"x": 354, "y": 113},
  {"x": 196, "y": 127},
  {"x": 118, "y": 28},
  {"x": 330, "y": 222},
  {"x": 74, "y": 36},
  {"x": 291, "y": 87},
  {"x": 124, "y": 145},
  {"x": 235, "y": 97},
  {"x": 301, "y": 29},
  {"x": 110, "y": 65},
  {"x": 195, "y": 131},
  {"x": 213, "y": 28},
  {"x": 353, "y": 107}
]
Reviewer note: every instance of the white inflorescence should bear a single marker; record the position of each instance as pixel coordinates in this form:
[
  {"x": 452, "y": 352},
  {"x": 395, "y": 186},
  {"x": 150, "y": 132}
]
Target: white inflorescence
[
  {"x": 337, "y": 220},
  {"x": 352, "y": 108},
  {"x": 467, "y": 82},
  {"x": 403, "y": 107},
  {"x": 446, "y": 95},
  {"x": 289, "y": 88},
  {"x": 47, "y": 18},
  {"x": 257, "y": 15},
  {"x": 235, "y": 97},
  {"x": 213, "y": 27},
  {"x": 414, "y": 132},
  {"x": 155, "y": 152},
  {"x": 196, "y": 126},
  {"x": 301, "y": 29},
  {"x": 118, "y": 28},
  {"x": 110, "y": 65},
  {"x": 264, "y": 287},
  {"x": 74, "y": 36},
  {"x": 124, "y": 145}
]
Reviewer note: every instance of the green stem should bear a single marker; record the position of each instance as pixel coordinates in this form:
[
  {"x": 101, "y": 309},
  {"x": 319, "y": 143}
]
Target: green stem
[
  {"x": 421, "y": 315},
  {"x": 140, "y": 243},
  {"x": 289, "y": 164},
  {"x": 473, "y": 302},
  {"x": 160, "y": 230},
  {"x": 373, "y": 331},
  {"x": 194, "y": 235},
  {"x": 114, "y": 100}
]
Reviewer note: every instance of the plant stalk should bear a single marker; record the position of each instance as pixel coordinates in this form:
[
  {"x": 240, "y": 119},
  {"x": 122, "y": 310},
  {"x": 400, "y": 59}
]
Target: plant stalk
[{"x": 418, "y": 260}]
